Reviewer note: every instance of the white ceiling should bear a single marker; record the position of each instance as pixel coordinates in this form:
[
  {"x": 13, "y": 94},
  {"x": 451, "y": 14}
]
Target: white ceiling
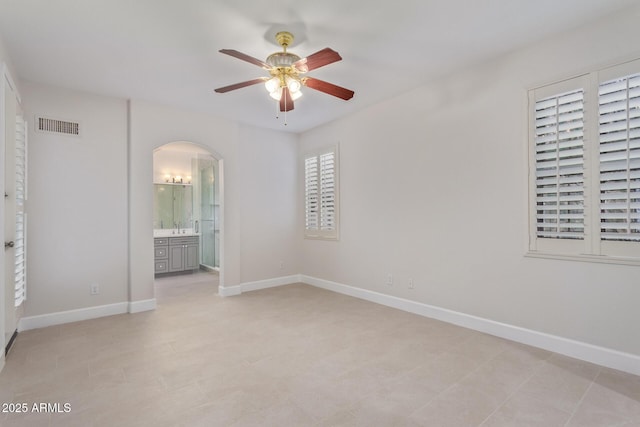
[{"x": 166, "y": 51}]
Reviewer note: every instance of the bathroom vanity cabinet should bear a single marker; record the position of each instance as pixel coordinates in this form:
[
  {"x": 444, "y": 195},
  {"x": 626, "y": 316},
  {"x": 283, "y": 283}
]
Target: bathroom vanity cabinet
[
  {"x": 161, "y": 257},
  {"x": 175, "y": 254}
]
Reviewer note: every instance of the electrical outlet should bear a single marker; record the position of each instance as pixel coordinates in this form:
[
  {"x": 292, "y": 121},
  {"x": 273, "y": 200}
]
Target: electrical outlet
[
  {"x": 389, "y": 280},
  {"x": 411, "y": 285},
  {"x": 281, "y": 265},
  {"x": 94, "y": 289}
]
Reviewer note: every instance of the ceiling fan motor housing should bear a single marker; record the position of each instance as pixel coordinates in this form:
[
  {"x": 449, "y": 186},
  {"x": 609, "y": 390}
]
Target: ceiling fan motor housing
[{"x": 282, "y": 59}]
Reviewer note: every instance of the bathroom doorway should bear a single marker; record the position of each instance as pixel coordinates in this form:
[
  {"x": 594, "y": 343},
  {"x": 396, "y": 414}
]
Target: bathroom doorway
[{"x": 187, "y": 209}]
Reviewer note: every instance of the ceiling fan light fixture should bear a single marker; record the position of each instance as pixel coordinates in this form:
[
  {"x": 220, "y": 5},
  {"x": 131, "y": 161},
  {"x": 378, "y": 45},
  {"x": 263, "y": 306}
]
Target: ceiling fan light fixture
[
  {"x": 293, "y": 84},
  {"x": 276, "y": 94},
  {"x": 273, "y": 84}
]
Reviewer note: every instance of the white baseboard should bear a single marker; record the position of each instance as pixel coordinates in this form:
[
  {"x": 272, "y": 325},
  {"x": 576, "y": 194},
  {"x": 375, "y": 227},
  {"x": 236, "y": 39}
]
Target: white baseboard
[
  {"x": 227, "y": 291},
  {"x": 61, "y": 317},
  {"x": 591, "y": 353},
  {"x": 44, "y": 320},
  {"x": 270, "y": 283},
  {"x": 143, "y": 305}
]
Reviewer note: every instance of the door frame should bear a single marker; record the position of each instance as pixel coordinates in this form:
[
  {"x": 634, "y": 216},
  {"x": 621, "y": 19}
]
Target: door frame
[{"x": 220, "y": 165}]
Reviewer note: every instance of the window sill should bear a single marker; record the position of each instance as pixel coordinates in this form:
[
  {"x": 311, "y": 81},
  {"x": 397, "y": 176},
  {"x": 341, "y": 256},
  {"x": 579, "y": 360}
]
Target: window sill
[{"x": 602, "y": 259}]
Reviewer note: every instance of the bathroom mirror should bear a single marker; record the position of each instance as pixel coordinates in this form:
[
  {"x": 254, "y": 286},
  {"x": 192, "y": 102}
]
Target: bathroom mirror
[{"x": 172, "y": 206}]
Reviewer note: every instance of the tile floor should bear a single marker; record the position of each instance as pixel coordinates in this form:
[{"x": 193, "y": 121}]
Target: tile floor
[{"x": 298, "y": 356}]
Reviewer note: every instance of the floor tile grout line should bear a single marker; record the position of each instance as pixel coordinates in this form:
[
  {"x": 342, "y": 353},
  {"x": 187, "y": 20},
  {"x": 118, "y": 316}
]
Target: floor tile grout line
[
  {"x": 517, "y": 389},
  {"x": 455, "y": 383},
  {"x": 577, "y": 407}
]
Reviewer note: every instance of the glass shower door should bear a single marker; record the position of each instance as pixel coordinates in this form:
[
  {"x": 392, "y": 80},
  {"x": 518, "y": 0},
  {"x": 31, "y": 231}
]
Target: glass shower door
[{"x": 209, "y": 229}]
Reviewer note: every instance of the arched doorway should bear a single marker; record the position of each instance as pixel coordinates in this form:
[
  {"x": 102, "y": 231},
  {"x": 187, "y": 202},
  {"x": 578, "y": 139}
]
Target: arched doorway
[{"x": 187, "y": 206}]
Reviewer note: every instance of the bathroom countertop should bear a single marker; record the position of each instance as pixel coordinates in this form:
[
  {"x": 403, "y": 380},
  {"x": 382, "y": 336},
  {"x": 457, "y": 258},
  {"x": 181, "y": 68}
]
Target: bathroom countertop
[{"x": 174, "y": 233}]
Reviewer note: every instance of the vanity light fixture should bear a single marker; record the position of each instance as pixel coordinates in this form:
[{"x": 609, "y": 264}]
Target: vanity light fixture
[{"x": 176, "y": 179}]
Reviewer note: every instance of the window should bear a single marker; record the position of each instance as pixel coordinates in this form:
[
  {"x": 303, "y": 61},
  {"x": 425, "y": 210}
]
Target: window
[
  {"x": 321, "y": 194},
  {"x": 559, "y": 149},
  {"x": 585, "y": 166}
]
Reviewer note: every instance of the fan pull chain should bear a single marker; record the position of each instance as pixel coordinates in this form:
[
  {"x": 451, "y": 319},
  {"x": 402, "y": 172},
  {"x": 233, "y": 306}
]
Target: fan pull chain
[
  {"x": 278, "y": 109},
  {"x": 284, "y": 93}
]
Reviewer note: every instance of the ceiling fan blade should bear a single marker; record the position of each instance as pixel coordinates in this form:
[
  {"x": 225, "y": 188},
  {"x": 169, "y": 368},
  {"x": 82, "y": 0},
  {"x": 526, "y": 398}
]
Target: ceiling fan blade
[
  {"x": 245, "y": 57},
  {"x": 286, "y": 103},
  {"x": 316, "y": 60},
  {"x": 328, "y": 88},
  {"x": 241, "y": 85}
]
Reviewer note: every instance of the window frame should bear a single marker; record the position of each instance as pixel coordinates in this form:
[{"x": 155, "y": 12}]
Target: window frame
[
  {"x": 318, "y": 233},
  {"x": 592, "y": 248}
]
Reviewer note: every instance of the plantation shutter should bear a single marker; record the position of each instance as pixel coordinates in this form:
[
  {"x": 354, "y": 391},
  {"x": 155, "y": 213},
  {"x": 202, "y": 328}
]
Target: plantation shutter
[
  {"x": 327, "y": 192},
  {"x": 321, "y": 200},
  {"x": 559, "y": 166},
  {"x": 21, "y": 217},
  {"x": 312, "y": 220},
  {"x": 619, "y": 130}
]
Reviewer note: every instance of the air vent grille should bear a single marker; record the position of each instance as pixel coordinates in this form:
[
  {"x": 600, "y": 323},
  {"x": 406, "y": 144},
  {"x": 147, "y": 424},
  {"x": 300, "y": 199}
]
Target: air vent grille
[{"x": 45, "y": 124}]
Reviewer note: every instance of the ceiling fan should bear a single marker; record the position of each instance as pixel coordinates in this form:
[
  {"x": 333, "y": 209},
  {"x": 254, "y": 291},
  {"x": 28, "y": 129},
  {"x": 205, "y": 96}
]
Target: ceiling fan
[{"x": 285, "y": 71}]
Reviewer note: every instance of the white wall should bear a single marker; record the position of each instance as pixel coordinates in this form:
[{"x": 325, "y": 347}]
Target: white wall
[
  {"x": 77, "y": 202},
  {"x": 433, "y": 187},
  {"x": 173, "y": 163},
  {"x": 4, "y": 57},
  {"x": 269, "y": 204}
]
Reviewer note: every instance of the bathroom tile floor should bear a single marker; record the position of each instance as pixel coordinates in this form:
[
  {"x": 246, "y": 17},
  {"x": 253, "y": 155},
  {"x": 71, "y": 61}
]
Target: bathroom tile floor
[{"x": 298, "y": 356}]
